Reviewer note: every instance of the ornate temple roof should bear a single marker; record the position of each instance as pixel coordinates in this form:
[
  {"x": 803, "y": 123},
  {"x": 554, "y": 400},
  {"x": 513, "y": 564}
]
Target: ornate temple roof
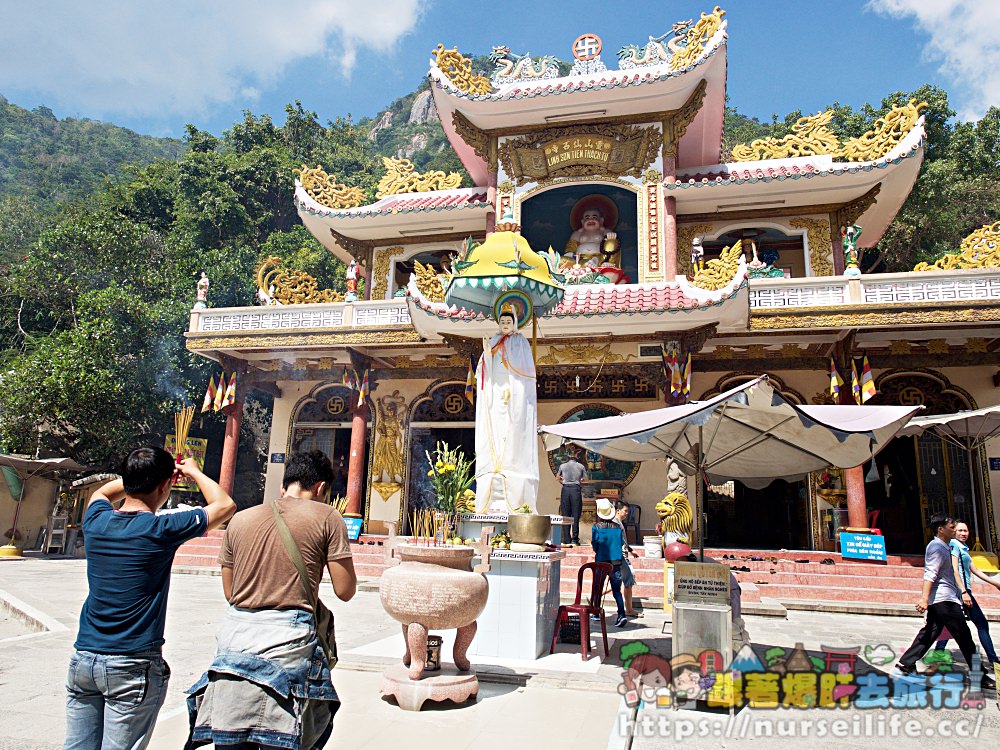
[{"x": 589, "y": 97}]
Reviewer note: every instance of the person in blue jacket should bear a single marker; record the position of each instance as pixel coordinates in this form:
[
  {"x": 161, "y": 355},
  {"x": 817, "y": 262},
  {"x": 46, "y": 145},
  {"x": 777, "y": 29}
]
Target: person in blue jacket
[{"x": 607, "y": 540}]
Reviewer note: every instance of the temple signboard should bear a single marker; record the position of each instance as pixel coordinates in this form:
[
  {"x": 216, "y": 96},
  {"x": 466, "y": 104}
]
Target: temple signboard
[{"x": 605, "y": 150}]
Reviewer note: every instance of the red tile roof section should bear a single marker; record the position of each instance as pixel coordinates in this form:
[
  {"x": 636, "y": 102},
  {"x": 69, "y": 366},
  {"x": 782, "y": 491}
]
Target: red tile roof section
[
  {"x": 406, "y": 203},
  {"x": 591, "y": 299},
  {"x": 746, "y": 174}
]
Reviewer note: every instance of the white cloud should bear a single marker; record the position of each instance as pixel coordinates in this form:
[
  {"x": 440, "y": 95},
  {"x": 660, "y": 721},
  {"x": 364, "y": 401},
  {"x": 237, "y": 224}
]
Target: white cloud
[
  {"x": 964, "y": 39},
  {"x": 181, "y": 56}
]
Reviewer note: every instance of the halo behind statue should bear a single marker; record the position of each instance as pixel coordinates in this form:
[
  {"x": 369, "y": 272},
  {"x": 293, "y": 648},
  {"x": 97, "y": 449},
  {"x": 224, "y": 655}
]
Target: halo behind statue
[
  {"x": 519, "y": 301},
  {"x": 604, "y": 204}
]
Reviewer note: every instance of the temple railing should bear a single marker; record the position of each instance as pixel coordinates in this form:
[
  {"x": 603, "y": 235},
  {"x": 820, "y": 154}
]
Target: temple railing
[
  {"x": 333, "y": 315},
  {"x": 967, "y": 285},
  {"x": 964, "y": 285}
]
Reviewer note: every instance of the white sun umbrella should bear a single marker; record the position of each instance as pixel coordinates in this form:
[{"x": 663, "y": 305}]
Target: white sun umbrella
[
  {"x": 970, "y": 430},
  {"x": 750, "y": 433}
]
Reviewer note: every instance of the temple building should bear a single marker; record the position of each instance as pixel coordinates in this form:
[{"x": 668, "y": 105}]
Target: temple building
[{"x": 687, "y": 271}]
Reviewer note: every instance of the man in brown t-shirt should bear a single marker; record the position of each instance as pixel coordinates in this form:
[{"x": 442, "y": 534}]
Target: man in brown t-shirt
[{"x": 237, "y": 701}]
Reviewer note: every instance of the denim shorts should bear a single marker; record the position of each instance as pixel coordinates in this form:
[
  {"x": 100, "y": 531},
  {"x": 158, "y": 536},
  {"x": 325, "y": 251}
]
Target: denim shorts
[{"x": 628, "y": 577}]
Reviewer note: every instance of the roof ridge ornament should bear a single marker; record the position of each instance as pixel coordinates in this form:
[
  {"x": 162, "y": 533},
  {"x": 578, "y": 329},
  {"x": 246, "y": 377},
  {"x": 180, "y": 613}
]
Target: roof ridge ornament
[
  {"x": 326, "y": 191},
  {"x": 810, "y": 136},
  {"x": 981, "y": 249},
  {"x": 458, "y": 69},
  {"x": 401, "y": 177}
]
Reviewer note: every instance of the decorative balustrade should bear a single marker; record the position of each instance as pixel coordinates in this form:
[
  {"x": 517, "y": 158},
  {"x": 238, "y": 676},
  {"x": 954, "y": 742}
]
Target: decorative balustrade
[
  {"x": 952, "y": 286},
  {"x": 824, "y": 291},
  {"x": 380, "y": 313},
  {"x": 967, "y": 285}
]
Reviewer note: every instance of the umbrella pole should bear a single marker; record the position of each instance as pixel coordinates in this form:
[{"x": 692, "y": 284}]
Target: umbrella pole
[
  {"x": 699, "y": 496},
  {"x": 17, "y": 514},
  {"x": 972, "y": 491}
]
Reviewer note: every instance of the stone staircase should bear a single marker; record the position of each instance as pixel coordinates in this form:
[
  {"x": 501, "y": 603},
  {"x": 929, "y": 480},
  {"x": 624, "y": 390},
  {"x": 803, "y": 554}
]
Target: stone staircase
[{"x": 775, "y": 580}]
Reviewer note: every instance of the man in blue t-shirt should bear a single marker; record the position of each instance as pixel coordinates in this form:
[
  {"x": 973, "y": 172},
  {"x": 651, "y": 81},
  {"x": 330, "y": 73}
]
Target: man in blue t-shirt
[{"x": 117, "y": 676}]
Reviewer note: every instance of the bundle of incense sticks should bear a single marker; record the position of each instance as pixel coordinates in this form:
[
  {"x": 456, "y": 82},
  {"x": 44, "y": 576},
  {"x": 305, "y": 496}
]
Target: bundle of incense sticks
[
  {"x": 182, "y": 426},
  {"x": 424, "y": 525}
]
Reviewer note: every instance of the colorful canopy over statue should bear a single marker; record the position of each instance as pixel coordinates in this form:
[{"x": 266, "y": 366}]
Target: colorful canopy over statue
[
  {"x": 504, "y": 262},
  {"x": 506, "y": 420}
]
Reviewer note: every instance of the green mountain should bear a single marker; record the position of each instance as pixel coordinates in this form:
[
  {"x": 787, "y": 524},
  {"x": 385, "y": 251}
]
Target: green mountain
[{"x": 49, "y": 161}]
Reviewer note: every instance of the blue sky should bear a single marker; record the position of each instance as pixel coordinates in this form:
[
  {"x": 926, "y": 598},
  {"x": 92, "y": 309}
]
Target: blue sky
[{"x": 156, "y": 65}]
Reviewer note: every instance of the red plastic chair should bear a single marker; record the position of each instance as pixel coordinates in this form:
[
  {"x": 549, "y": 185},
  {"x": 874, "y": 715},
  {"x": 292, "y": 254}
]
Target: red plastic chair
[
  {"x": 872, "y": 520},
  {"x": 600, "y": 573}
]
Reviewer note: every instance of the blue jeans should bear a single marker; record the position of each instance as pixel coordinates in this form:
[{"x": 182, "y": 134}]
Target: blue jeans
[
  {"x": 112, "y": 700},
  {"x": 983, "y": 626},
  {"x": 616, "y": 589}
]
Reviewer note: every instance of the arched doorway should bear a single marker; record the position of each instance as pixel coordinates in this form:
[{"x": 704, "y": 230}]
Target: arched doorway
[
  {"x": 778, "y": 516},
  {"x": 442, "y": 414},
  {"x": 920, "y": 476},
  {"x": 323, "y": 421}
]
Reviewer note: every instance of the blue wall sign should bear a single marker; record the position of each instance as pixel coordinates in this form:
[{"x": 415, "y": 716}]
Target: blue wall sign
[
  {"x": 277, "y": 458},
  {"x": 862, "y": 546},
  {"x": 354, "y": 528},
  {"x": 994, "y": 464}
]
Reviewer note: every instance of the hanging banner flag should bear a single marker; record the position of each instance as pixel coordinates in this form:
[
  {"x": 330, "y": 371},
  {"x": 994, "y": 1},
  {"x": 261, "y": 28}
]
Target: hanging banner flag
[
  {"x": 855, "y": 383},
  {"x": 362, "y": 388},
  {"x": 230, "y": 397},
  {"x": 348, "y": 380},
  {"x": 687, "y": 376},
  {"x": 220, "y": 393},
  {"x": 867, "y": 381},
  {"x": 209, "y": 401},
  {"x": 470, "y": 382},
  {"x": 835, "y": 380}
]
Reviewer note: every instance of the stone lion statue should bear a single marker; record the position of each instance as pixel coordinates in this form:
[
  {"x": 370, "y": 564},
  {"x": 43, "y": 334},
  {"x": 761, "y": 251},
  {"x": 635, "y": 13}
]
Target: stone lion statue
[{"x": 676, "y": 518}]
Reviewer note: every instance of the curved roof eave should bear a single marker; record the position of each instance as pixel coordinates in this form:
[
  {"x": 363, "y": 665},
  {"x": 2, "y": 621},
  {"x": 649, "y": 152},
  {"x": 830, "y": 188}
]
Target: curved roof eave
[{"x": 805, "y": 181}]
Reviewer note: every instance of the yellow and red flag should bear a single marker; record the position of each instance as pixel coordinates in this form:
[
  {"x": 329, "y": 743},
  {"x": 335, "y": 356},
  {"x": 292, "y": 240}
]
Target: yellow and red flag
[
  {"x": 230, "y": 397},
  {"x": 209, "y": 401},
  {"x": 362, "y": 388},
  {"x": 835, "y": 380},
  {"x": 867, "y": 381},
  {"x": 855, "y": 383},
  {"x": 470, "y": 382},
  {"x": 220, "y": 393}
]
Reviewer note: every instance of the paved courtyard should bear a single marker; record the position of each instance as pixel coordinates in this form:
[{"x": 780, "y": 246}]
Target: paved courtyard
[{"x": 558, "y": 700}]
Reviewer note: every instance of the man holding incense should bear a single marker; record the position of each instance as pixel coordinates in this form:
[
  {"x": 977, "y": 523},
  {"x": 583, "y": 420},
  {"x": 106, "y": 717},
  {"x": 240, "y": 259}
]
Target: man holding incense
[{"x": 117, "y": 676}]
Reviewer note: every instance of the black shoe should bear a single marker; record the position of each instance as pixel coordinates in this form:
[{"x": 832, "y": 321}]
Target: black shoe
[
  {"x": 988, "y": 683},
  {"x": 621, "y": 622},
  {"x": 905, "y": 669}
]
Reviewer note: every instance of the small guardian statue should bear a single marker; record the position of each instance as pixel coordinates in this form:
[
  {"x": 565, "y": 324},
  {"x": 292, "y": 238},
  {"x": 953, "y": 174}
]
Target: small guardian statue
[
  {"x": 351, "y": 276},
  {"x": 697, "y": 256},
  {"x": 849, "y": 239},
  {"x": 201, "y": 295}
]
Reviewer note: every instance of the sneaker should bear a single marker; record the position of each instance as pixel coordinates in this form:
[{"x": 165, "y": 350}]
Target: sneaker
[
  {"x": 905, "y": 669},
  {"x": 988, "y": 683},
  {"x": 595, "y": 618},
  {"x": 621, "y": 622}
]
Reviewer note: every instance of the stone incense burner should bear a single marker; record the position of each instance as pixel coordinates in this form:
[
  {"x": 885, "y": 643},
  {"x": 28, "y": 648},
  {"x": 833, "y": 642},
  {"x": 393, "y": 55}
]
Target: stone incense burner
[{"x": 433, "y": 588}]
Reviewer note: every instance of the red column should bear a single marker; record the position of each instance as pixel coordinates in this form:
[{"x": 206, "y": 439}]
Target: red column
[
  {"x": 857, "y": 505},
  {"x": 836, "y": 247},
  {"x": 670, "y": 237},
  {"x": 231, "y": 446},
  {"x": 356, "y": 461},
  {"x": 854, "y": 479},
  {"x": 669, "y": 223}
]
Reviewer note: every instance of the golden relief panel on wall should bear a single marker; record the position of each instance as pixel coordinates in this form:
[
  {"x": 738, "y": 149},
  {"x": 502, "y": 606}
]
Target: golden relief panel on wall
[
  {"x": 819, "y": 241},
  {"x": 581, "y": 354}
]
